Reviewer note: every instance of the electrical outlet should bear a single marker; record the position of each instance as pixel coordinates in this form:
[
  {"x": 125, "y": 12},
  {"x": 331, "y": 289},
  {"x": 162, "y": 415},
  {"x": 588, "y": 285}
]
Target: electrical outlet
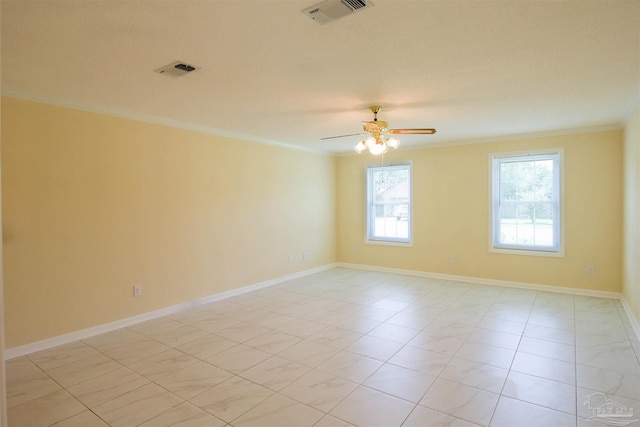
[
  {"x": 453, "y": 258},
  {"x": 137, "y": 290},
  {"x": 590, "y": 270},
  {"x": 304, "y": 256},
  {"x": 290, "y": 258}
]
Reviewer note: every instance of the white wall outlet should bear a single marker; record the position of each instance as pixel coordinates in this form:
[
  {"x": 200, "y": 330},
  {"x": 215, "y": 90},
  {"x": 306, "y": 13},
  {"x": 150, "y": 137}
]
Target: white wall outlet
[
  {"x": 453, "y": 258},
  {"x": 305, "y": 255},
  {"x": 137, "y": 290},
  {"x": 290, "y": 258},
  {"x": 590, "y": 270},
  {"x": 356, "y": 249}
]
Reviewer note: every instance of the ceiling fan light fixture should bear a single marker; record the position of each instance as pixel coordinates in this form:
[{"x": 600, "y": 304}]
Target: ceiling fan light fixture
[
  {"x": 360, "y": 147},
  {"x": 378, "y": 148},
  {"x": 376, "y": 145},
  {"x": 377, "y": 141}
]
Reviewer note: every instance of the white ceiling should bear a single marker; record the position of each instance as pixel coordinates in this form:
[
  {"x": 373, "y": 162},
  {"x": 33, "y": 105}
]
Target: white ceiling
[{"x": 473, "y": 69}]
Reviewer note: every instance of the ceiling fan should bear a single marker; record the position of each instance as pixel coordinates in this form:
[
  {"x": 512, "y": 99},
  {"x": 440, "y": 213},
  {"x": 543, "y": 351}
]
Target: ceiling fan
[{"x": 377, "y": 142}]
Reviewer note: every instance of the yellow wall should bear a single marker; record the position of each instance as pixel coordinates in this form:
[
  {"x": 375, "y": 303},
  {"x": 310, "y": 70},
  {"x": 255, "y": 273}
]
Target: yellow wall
[
  {"x": 3, "y": 382},
  {"x": 451, "y": 213},
  {"x": 93, "y": 204},
  {"x": 631, "y": 270}
]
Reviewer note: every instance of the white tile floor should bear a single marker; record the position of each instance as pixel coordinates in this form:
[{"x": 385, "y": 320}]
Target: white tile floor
[{"x": 345, "y": 347}]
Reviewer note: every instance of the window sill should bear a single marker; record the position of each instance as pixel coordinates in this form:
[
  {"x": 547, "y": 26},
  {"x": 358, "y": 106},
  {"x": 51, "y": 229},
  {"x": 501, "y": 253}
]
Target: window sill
[
  {"x": 553, "y": 254},
  {"x": 388, "y": 243}
]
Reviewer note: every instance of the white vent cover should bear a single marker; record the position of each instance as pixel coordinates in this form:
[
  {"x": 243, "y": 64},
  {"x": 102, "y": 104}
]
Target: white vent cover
[
  {"x": 330, "y": 10},
  {"x": 177, "y": 69}
]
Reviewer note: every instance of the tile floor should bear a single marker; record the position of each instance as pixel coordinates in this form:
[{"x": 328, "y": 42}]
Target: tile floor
[{"x": 345, "y": 347}]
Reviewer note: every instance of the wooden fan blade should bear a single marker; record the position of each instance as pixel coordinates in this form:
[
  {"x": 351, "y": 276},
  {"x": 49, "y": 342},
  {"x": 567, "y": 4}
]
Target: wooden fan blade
[
  {"x": 412, "y": 131},
  {"x": 343, "y": 136}
]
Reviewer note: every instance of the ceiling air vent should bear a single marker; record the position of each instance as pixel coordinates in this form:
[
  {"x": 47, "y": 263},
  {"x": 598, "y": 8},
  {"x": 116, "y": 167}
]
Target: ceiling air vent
[
  {"x": 330, "y": 10},
  {"x": 177, "y": 69}
]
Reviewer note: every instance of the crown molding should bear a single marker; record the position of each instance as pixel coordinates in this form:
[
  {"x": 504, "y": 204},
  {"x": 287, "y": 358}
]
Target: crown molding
[
  {"x": 509, "y": 137},
  {"x": 632, "y": 109},
  {"x": 148, "y": 118}
]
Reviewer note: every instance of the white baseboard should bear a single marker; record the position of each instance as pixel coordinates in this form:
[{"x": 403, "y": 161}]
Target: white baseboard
[
  {"x": 490, "y": 282},
  {"x": 520, "y": 285},
  {"x": 632, "y": 319},
  {"x": 12, "y": 353}
]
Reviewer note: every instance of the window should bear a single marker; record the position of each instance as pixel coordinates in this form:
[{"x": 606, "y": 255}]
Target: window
[
  {"x": 389, "y": 203},
  {"x": 526, "y": 202}
]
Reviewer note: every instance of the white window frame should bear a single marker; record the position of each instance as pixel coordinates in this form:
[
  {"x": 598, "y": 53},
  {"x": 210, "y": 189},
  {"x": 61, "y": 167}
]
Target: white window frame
[
  {"x": 557, "y": 156},
  {"x": 370, "y": 238}
]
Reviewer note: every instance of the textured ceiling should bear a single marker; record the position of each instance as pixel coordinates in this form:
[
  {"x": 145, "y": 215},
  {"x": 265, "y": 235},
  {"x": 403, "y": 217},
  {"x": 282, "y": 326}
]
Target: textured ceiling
[{"x": 472, "y": 69}]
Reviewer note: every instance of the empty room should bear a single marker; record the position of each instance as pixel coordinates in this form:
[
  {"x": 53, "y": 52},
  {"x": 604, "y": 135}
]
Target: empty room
[{"x": 368, "y": 213}]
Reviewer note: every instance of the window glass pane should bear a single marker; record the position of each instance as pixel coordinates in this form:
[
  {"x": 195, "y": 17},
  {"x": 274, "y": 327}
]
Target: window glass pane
[
  {"x": 509, "y": 190},
  {"x": 389, "y": 195},
  {"x": 526, "y": 181},
  {"x": 508, "y": 224},
  {"x": 390, "y": 226},
  {"x": 544, "y": 224},
  {"x": 508, "y": 170},
  {"x": 401, "y": 211},
  {"x": 525, "y": 225},
  {"x": 544, "y": 180},
  {"x": 527, "y": 189}
]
